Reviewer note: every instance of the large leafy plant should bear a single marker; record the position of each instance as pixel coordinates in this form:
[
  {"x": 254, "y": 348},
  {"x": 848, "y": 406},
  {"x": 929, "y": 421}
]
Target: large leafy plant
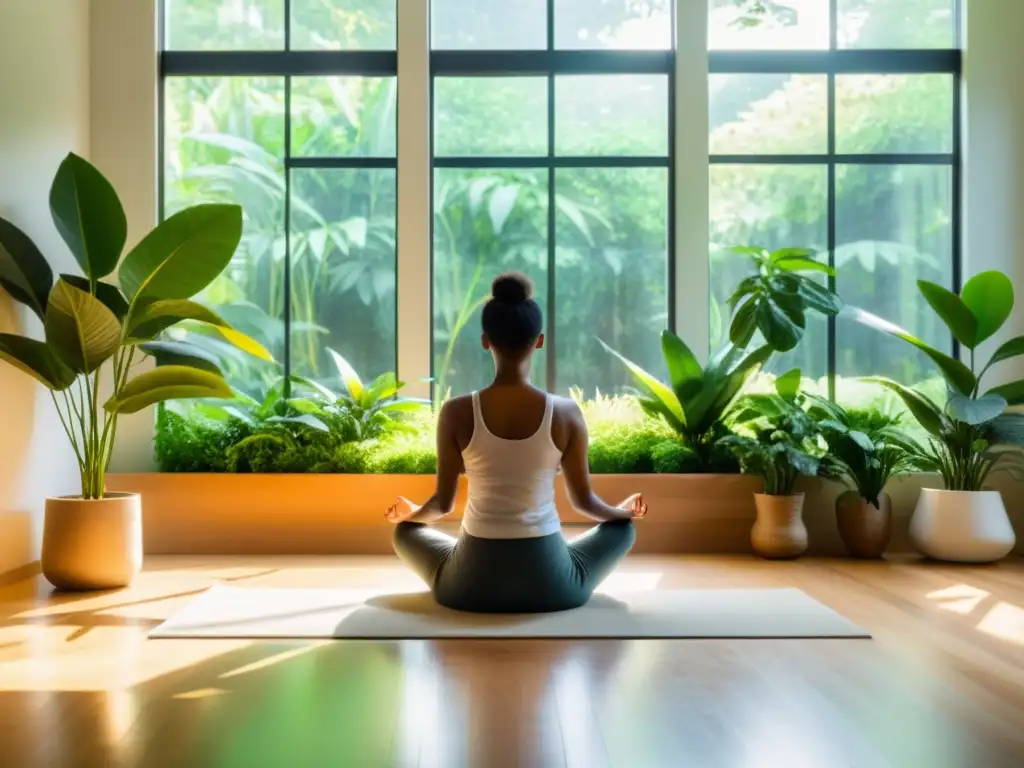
[
  {"x": 92, "y": 325},
  {"x": 776, "y": 299},
  {"x": 868, "y": 446},
  {"x": 969, "y": 434},
  {"x": 777, "y": 439},
  {"x": 695, "y": 402}
]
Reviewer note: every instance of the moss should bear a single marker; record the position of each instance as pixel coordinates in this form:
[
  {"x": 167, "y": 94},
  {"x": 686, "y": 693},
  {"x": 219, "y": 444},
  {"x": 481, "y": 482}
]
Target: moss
[{"x": 195, "y": 444}]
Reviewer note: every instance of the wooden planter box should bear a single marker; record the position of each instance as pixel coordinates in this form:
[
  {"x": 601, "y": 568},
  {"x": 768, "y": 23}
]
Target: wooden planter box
[{"x": 344, "y": 514}]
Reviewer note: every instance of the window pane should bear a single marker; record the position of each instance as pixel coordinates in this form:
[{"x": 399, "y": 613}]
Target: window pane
[
  {"x": 893, "y": 228},
  {"x": 343, "y": 25},
  {"x": 773, "y": 206},
  {"x": 619, "y": 24},
  {"x": 343, "y": 271},
  {"x": 343, "y": 116},
  {"x": 790, "y": 25},
  {"x": 490, "y": 116},
  {"x": 611, "y": 115},
  {"x": 611, "y": 279},
  {"x": 897, "y": 24},
  {"x": 485, "y": 222},
  {"x": 224, "y": 25},
  {"x": 753, "y": 114},
  {"x": 894, "y": 113},
  {"x": 224, "y": 142},
  {"x": 482, "y": 25}
]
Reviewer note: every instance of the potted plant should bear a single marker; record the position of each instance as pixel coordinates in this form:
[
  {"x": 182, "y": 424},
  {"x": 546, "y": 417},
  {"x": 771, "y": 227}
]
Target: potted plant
[
  {"x": 867, "y": 448},
  {"x": 776, "y": 299},
  {"x": 777, "y": 440},
  {"x": 94, "y": 333},
  {"x": 973, "y": 434},
  {"x": 695, "y": 403}
]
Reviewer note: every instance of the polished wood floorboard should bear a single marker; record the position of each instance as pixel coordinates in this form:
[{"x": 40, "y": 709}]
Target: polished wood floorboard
[{"x": 940, "y": 685}]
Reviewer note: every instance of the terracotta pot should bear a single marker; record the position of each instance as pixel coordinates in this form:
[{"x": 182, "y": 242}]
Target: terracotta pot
[
  {"x": 864, "y": 529},
  {"x": 779, "y": 531},
  {"x": 962, "y": 526},
  {"x": 93, "y": 543}
]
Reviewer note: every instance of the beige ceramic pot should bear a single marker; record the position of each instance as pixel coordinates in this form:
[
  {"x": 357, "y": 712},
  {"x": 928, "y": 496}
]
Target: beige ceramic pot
[
  {"x": 93, "y": 543},
  {"x": 864, "y": 529},
  {"x": 779, "y": 530}
]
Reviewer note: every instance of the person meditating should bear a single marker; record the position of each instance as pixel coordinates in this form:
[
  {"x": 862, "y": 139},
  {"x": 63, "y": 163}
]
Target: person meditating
[{"x": 510, "y": 439}]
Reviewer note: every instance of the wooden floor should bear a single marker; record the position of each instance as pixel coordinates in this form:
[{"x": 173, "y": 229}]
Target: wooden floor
[{"x": 941, "y": 684}]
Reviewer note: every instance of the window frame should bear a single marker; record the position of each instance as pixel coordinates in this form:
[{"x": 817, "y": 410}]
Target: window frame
[
  {"x": 835, "y": 61},
  {"x": 549, "y": 63},
  {"x": 286, "y": 64}
]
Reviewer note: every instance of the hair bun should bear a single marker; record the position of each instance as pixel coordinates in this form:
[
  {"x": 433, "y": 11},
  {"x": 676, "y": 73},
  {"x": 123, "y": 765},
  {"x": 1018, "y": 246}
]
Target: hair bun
[{"x": 512, "y": 288}]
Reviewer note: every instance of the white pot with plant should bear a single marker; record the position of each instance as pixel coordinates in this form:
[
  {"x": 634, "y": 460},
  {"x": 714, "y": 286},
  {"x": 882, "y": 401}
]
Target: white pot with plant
[
  {"x": 95, "y": 333},
  {"x": 867, "y": 448},
  {"x": 777, "y": 440},
  {"x": 973, "y": 434}
]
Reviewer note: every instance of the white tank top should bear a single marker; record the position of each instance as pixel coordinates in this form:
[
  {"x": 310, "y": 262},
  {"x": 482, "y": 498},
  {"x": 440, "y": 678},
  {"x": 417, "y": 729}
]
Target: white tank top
[{"x": 511, "y": 482}]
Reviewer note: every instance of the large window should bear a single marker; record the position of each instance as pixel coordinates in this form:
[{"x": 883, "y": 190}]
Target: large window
[
  {"x": 552, "y": 138},
  {"x": 833, "y": 126},
  {"x": 289, "y": 109}
]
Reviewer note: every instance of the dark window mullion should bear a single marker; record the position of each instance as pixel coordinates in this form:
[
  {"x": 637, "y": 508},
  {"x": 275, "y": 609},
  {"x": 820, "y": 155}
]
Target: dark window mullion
[{"x": 551, "y": 348}]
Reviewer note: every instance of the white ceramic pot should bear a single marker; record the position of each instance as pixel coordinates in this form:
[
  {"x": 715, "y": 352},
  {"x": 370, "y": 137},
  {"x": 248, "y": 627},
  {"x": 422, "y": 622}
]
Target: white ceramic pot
[
  {"x": 93, "y": 543},
  {"x": 962, "y": 526}
]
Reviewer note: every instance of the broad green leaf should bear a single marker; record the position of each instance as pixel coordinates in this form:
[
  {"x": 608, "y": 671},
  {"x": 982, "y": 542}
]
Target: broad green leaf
[
  {"x": 818, "y": 297},
  {"x": 954, "y": 313},
  {"x": 348, "y": 375},
  {"x": 243, "y": 342},
  {"x": 405, "y": 405},
  {"x": 682, "y": 364},
  {"x": 788, "y": 384},
  {"x": 756, "y": 252},
  {"x": 105, "y": 292},
  {"x": 1007, "y": 429},
  {"x": 150, "y": 318},
  {"x": 37, "y": 360},
  {"x": 801, "y": 462},
  {"x": 183, "y": 254},
  {"x": 503, "y": 200},
  {"x": 781, "y": 327},
  {"x": 1013, "y": 392},
  {"x": 744, "y": 323},
  {"x": 863, "y": 442},
  {"x": 24, "y": 273},
  {"x": 171, "y": 382},
  {"x": 989, "y": 296},
  {"x": 384, "y": 386},
  {"x": 89, "y": 216},
  {"x": 746, "y": 286},
  {"x": 927, "y": 413},
  {"x": 668, "y": 403},
  {"x": 729, "y": 383},
  {"x": 975, "y": 411},
  {"x": 803, "y": 264},
  {"x": 958, "y": 375},
  {"x": 303, "y": 419},
  {"x": 80, "y": 328},
  {"x": 181, "y": 353},
  {"x": 791, "y": 253},
  {"x": 1009, "y": 349}
]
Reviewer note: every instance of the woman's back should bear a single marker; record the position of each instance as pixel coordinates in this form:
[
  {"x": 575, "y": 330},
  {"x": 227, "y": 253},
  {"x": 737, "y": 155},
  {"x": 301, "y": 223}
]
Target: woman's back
[{"x": 510, "y": 462}]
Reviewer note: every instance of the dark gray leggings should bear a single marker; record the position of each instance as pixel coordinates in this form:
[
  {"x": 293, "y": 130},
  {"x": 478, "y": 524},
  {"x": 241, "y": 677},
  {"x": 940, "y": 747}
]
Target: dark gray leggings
[{"x": 536, "y": 575}]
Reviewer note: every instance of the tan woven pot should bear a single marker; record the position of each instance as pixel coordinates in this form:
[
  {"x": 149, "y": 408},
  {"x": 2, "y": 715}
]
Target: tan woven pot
[
  {"x": 779, "y": 531},
  {"x": 93, "y": 543},
  {"x": 864, "y": 529}
]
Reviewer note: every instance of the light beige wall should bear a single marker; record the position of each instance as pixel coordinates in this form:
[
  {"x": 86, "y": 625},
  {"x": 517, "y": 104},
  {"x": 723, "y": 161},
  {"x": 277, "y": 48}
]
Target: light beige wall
[
  {"x": 123, "y": 145},
  {"x": 44, "y": 103}
]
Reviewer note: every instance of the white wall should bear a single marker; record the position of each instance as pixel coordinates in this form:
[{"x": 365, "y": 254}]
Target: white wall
[
  {"x": 994, "y": 151},
  {"x": 44, "y": 103}
]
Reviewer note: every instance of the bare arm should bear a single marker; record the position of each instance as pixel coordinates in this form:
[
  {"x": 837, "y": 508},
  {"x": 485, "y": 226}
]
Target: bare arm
[
  {"x": 576, "y": 469},
  {"x": 449, "y": 467}
]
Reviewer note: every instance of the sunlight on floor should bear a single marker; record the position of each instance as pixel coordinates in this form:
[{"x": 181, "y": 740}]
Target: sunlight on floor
[
  {"x": 277, "y": 658},
  {"x": 630, "y": 581},
  {"x": 962, "y": 598},
  {"x": 200, "y": 693},
  {"x": 1004, "y": 621}
]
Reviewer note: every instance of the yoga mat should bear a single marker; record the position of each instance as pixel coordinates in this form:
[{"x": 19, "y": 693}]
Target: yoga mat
[{"x": 232, "y": 612}]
